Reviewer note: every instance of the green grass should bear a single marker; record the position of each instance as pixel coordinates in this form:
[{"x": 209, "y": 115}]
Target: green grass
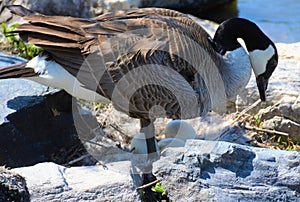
[
  {"x": 18, "y": 46},
  {"x": 257, "y": 120},
  {"x": 267, "y": 140}
]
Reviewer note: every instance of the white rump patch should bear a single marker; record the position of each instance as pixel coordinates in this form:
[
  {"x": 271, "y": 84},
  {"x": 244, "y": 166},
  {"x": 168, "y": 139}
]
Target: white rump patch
[
  {"x": 260, "y": 58},
  {"x": 54, "y": 75}
]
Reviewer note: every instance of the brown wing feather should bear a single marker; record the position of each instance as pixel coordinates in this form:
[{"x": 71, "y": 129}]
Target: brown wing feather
[
  {"x": 83, "y": 36},
  {"x": 17, "y": 71},
  {"x": 139, "y": 13},
  {"x": 124, "y": 40}
]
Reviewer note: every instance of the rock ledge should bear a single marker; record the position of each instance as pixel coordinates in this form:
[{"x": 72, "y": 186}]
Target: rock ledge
[{"x": 222, "y": 171}]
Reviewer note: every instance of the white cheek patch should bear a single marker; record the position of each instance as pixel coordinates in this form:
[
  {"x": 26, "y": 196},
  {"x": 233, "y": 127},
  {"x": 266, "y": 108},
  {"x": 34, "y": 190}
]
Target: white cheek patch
[
  {"x": 260, "y": 58},
  {"x": 242, "y": 42}
]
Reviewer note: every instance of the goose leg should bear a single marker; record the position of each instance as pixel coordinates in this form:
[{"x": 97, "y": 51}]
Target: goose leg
[{"x": 147, "y": 127}]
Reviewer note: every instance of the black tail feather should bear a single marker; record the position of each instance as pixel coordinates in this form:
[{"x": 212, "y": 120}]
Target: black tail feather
[
  {"x": 20, "y": 10},
  {"x": 17, "y": 71}
]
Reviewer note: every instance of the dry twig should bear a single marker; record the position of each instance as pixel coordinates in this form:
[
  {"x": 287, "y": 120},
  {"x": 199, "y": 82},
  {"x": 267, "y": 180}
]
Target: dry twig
[
  {"x": 274, "y": 132},
  {"x": 245, "y": 111},
  {"x": 78, "y": 159},
  {"x": 147, "y": 185},
  {"x": 117, "y": 128},
  {"x": 100, "y": 144}
]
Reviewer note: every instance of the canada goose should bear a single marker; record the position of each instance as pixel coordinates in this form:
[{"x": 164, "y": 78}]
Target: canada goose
[{"x": 149, "y": 62}]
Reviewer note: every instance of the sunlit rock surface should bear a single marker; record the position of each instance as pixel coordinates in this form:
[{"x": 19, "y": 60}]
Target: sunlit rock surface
[
  {"x": 52, "y": 182},
  {"x": 222, "y": 171}
]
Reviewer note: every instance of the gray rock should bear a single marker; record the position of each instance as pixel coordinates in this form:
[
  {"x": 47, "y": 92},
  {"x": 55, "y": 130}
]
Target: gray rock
[
  {"x": 284, "y": 125},
  {"x": 52, "y": 182},
  {"x": 214, "y": 127},
  {"x": 221, "y": 171},
  {"x": 283, "y": 116},
  {"x": 35, "y": 121},
  {"x": 76, "y": 8},
  {"x": 91, "y": 8},
  {"x": 6, "y": 60},
  {"x": 12, "y": 187},
  {"x": 287, "y": 107}
]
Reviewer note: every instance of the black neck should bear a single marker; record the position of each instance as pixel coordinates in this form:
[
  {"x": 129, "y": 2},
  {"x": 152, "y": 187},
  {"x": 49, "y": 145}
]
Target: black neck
[{"x": 229, "y": 31}]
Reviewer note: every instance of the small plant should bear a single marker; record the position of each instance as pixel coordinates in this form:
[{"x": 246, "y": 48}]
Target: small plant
[
  {"x": 159, "y": 189},
  {"x": 288, "y": 144},
  {"x": 97, "y": 106},
  {"x": 24, "y": 50},
  {"x": 257, "y": 119}
]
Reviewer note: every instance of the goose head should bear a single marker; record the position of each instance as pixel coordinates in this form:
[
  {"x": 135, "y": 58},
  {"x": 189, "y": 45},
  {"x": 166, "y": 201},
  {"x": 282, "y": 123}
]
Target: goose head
[{"x": 262, "y": 51}]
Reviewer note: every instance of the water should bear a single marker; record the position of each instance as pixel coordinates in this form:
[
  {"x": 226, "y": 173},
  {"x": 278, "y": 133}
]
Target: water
[{"x": 280, "y": 19}]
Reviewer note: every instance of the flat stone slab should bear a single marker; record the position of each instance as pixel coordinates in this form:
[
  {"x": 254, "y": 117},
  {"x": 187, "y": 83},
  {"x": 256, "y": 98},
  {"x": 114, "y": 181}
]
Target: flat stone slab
[
  {"x": 52, "y": 182},
  {"x": 222, "y": 171}
]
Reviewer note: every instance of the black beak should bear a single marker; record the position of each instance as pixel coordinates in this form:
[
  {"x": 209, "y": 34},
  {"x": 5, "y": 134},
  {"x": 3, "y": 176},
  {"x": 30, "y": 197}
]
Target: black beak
[{"x": 262, "y": 84}]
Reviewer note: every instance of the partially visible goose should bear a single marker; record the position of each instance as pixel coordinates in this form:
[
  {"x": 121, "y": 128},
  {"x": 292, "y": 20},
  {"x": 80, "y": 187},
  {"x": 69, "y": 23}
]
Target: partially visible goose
[{"x": 149, "y": 62}]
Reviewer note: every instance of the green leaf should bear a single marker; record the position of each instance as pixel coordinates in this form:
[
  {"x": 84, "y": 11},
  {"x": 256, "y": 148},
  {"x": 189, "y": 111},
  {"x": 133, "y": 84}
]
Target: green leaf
[
  {"x": 97, "y": 106},
  {"x": 159, "y": 189},
  {"x": 279, "y": 139},
  {"x": 3, "y": 27},
  {"x": 257, "y": 119}
]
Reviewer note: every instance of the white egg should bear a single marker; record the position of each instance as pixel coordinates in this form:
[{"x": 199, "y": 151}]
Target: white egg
[
  {"x": 139, "y": 144},
  {"x": 180, "y": 129},
  {"x": 170, "y": 142}
]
